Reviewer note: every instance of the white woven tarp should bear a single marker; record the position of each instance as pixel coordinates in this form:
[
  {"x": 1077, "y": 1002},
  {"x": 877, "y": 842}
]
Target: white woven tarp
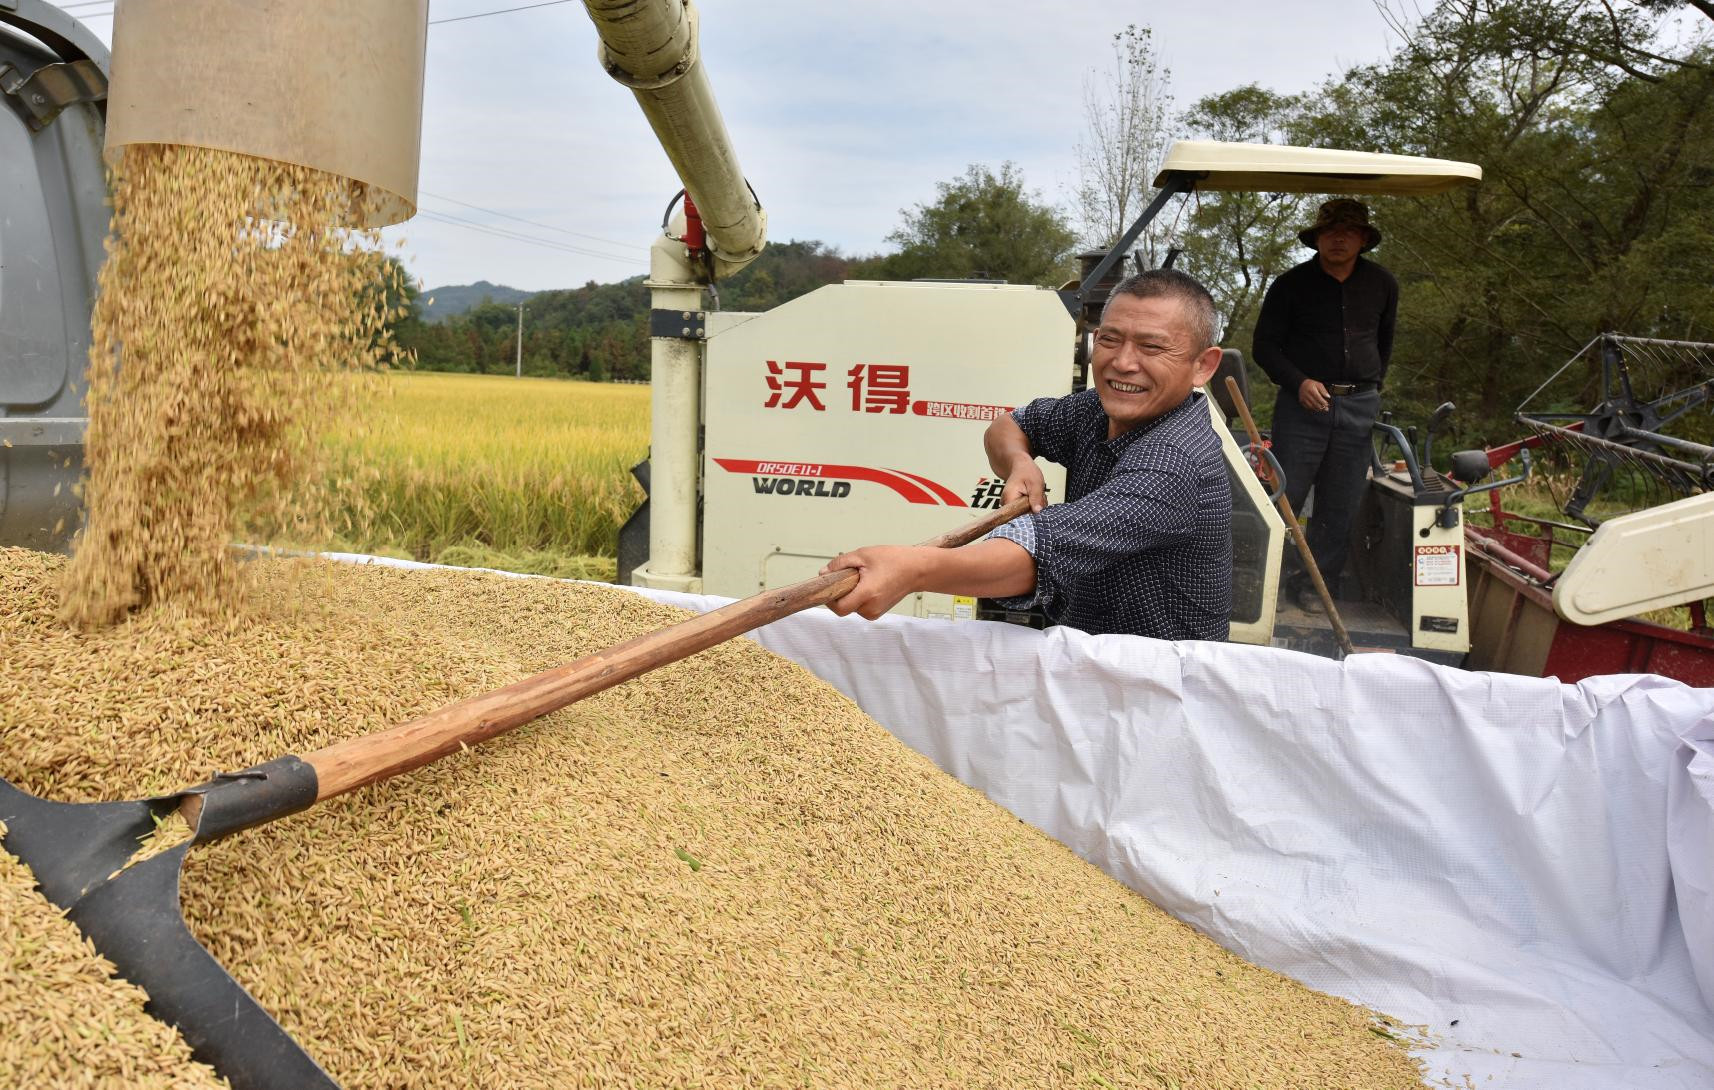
[
  {"x": 1531, "y": 861},
  {"x": 1524, "y": 867}
]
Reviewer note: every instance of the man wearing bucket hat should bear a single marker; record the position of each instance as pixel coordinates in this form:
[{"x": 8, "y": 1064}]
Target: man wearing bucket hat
[{"x": 1324, "y": 336}]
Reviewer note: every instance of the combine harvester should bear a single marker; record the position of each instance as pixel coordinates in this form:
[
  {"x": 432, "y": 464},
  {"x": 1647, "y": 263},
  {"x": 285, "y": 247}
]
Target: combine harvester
[{"x": 1522, "y": 866}]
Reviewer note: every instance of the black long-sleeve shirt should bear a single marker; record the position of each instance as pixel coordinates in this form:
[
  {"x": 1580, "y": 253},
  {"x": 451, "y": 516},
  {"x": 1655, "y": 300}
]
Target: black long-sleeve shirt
[{"x": 1313, "y": 326}]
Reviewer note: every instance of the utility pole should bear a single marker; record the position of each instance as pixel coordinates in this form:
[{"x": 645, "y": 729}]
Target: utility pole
[{"x": 520, "y": 340}]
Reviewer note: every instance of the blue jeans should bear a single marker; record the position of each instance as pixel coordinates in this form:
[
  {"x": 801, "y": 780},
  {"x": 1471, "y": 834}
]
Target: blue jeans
[{"x": 1330, "y": 452}]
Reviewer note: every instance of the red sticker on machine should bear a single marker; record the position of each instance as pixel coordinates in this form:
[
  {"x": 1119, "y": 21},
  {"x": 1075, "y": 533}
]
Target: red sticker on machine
[
  {"x": 959, "y": 410},
  {"x": 1437, "y": 565}
]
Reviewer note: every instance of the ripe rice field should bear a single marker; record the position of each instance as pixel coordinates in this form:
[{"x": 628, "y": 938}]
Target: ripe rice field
[{"x": 526, "y": 474}]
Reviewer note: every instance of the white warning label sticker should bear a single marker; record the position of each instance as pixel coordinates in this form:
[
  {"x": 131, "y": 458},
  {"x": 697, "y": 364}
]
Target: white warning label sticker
[{"x": 1437, "y": 565}]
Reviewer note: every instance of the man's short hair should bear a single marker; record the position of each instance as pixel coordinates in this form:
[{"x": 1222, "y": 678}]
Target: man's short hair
[{"x": 1170, "y": 283}]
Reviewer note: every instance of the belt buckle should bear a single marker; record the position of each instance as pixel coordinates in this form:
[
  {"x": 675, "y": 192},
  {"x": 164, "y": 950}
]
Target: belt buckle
[{"x": 1341, "y": 389}]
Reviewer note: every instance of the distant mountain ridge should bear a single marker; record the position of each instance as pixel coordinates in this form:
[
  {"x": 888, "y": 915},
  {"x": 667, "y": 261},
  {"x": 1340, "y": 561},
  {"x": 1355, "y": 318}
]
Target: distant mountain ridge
[
  {"x": 439, "y": 304},
  {"x": 598, "y": 332}
]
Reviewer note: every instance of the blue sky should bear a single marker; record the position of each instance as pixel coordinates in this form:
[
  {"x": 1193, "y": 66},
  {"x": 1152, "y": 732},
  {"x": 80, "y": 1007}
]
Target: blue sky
[{"x": 842, "y": 114}]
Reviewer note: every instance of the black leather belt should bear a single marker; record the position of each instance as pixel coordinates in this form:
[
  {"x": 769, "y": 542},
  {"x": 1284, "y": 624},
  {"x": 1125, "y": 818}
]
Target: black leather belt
[{"x": 1342, "y": 389}]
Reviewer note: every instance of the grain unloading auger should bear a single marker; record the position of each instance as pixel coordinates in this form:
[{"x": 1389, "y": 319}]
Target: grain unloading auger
[{"x": 79, "y": 851}]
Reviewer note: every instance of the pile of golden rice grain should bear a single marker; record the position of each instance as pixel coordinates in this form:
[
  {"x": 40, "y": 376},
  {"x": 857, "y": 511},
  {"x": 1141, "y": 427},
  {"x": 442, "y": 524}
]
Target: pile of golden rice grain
[
  {"x": 231, "y": 296},
  {"x": 719, "y": 874}
]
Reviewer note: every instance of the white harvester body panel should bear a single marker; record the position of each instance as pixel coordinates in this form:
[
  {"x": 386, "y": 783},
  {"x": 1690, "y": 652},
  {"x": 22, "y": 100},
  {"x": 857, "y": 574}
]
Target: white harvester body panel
[
  {"x": 1258, "y": 543},
  {"x": 854, "y": 415},
  {"x": 1411, "y": 565},
  {"x": 1651, "y": 559}
]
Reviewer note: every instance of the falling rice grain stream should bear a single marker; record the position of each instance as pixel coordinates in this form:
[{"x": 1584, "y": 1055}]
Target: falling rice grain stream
[{"x": 231, "y": 296}]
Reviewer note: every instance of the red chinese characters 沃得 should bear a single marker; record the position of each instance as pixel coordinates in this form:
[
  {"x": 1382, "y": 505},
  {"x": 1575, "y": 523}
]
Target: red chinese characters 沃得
[
  {"x": 788, "y": 391},
  {"x": 880, "y": 388}
]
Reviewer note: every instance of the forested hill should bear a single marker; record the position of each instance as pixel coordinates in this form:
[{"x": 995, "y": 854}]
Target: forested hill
[
  {"x": 439, "y": 304},
  {"x": 598, "y": 331}
]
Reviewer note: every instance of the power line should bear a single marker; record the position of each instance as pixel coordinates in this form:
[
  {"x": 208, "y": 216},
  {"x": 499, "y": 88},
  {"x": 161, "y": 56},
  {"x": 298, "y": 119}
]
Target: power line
[
  {"x": 435, "y": 217},
  {"x": 501, "y": 11},
  {"x": 511, "y": 236},
  {"x": 492, "y": 229},
  {"x": 532, "y": 223}
]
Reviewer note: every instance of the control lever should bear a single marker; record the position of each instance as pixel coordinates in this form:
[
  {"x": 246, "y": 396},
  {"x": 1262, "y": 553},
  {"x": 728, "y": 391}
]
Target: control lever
[
  {"x": 1452, "y": 508},
  {"x": 1440, "y": 414}
]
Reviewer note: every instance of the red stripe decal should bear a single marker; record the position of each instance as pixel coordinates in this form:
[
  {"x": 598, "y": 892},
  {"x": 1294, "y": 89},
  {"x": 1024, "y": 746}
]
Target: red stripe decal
[
  {"x": 947, "y": 495},
  {"x": 905, "y": 488}
]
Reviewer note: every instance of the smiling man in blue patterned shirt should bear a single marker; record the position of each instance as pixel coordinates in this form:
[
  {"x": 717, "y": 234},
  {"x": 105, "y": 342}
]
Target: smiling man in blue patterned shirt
[{"x": 1143, "y": 543}]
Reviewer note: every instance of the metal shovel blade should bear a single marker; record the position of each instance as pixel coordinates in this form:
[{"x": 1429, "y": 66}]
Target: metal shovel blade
[{"x": 133, "y": 916}]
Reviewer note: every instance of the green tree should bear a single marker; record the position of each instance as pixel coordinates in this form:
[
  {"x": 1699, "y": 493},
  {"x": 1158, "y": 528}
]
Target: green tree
[
  {"x": 494, "y": 330},
  {"x": 1125, "y": 112},
  {"x": 1594, "y": 209},
  {"x": 982, "y": 225},
  {"x": 567, "y": 331},
  {"x": 784, "y": 271}
]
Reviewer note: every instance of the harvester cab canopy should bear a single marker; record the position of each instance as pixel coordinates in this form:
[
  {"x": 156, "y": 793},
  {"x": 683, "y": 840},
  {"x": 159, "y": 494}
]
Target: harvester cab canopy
[{"x": 1281, "y": 168}]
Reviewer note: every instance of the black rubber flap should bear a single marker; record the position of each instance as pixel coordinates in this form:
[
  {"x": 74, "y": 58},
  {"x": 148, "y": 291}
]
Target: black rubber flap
[
  {"x": 135, "y": 921},
  {"x": 71, "y": 846}
]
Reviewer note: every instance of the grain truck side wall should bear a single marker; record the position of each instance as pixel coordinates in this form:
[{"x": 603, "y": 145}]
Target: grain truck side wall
[{"x": 53, "y": 218}]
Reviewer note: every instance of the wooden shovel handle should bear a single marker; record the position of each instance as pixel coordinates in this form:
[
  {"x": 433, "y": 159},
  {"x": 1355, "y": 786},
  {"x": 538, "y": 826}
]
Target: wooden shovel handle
[
  {"x": 355, "y": 762},
  {"x": 1294, "y": 527}
]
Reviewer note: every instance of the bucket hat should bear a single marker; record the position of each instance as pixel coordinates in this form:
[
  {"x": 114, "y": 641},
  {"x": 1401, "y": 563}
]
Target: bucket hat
[{"x": 1342, "y": 211}]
